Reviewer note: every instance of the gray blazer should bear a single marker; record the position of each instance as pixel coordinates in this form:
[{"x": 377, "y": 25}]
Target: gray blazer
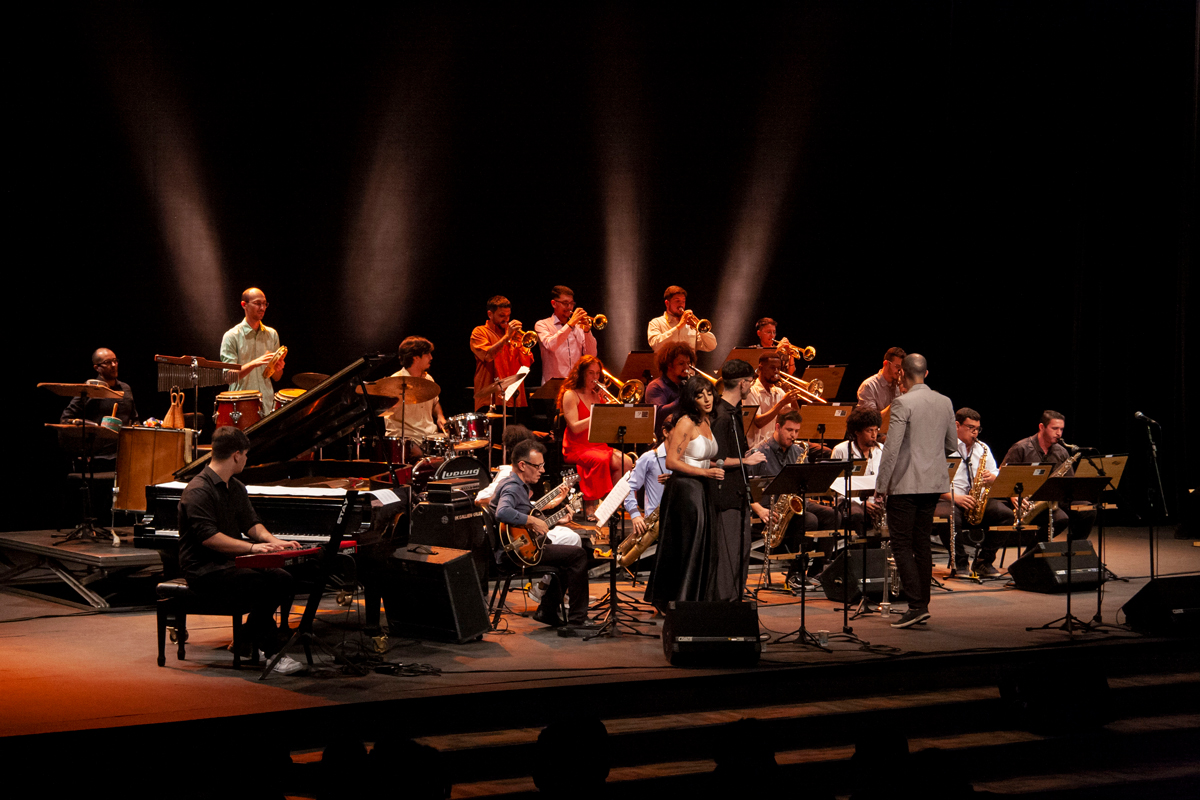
[{"x": 920, "y": 436}]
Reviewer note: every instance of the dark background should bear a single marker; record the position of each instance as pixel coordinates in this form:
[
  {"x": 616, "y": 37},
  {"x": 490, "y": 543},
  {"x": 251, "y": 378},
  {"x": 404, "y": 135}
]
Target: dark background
[{"x": 1007, "y": 188}]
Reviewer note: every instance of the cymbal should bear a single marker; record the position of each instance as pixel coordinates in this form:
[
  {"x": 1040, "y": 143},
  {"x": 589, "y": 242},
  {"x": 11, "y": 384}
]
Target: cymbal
[
  {"x": 498, "y": 385},
  {"x": 309, "y": 380},
  {"x": 413, "y": 390},
  {"x": 99, "y": 390}
]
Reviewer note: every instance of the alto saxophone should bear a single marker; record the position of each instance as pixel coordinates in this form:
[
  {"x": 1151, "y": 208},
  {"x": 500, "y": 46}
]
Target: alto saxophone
[
  {"x": 979, "y": 490},
  {"x": 632, "y": 548}
]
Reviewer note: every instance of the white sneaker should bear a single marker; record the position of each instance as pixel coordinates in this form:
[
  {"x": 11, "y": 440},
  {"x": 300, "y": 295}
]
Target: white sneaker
[
  {"x": 537, "y": 589},
  {"x": 286, "y": 666}
]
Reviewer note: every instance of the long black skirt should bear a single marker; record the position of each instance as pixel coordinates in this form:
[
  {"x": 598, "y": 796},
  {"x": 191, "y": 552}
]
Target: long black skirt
[{"x": 686, "y": 564}]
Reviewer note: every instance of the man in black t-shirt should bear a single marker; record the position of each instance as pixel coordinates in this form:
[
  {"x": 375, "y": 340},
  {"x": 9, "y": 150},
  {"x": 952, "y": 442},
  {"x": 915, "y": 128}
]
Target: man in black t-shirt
[{"x": 217, "y": 524}]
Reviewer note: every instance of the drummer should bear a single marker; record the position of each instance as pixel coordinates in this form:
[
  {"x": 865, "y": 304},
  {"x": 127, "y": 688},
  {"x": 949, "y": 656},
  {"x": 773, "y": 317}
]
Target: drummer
[{"x": 421, "y": 420}]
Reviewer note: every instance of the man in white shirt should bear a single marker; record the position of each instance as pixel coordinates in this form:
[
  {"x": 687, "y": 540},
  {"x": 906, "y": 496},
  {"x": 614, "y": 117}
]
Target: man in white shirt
[
  {"x": 421, "y": 420},
  {"x": 770, "y": 397},
  {"x": 252, "y": 345},
  {"x": 862, "y": 442},
  {"x": 976, "y": 456},
  {"x": 678, "y": 324},
  {"x": 564, "y": 336}
]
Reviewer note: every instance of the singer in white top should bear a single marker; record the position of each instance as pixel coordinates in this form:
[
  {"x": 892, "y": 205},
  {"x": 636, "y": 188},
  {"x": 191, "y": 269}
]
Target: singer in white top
[
  {"x": 564, "y": 336},
  {"x": 678, "y": 324}
]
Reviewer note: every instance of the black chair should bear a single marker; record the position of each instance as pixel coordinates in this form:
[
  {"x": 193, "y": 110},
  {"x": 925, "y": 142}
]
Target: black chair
[
  {"x": 508, "y": 572},
  {"x": 176, "y": 600}
]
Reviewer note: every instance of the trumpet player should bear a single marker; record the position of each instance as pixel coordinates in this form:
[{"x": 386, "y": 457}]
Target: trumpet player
[
  {"x": 499, "y": 353},
  {"x": 765, "y": 329},
  {"x": 771, "y": 398},
  {"x": 977, "y": 462},
  {"x": 564, "y": 336},
  {"x": 678, "y": 324},
  {"x": 879, "y": 390}
]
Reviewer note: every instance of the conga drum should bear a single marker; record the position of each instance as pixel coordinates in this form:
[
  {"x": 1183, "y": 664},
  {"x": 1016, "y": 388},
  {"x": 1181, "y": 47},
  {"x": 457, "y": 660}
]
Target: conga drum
[{"x": 239, "y": 409}]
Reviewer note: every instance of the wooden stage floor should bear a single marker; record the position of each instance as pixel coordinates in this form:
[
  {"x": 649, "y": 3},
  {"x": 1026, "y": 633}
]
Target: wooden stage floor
[{"x": 66, "y": 669}]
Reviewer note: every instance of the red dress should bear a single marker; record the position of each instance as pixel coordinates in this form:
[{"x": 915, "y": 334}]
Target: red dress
[{"x": 591, "y": 460}]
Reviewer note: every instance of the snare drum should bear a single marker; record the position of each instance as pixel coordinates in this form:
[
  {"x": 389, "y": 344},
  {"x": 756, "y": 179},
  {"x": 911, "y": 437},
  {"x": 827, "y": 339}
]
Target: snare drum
[
  {"x": 436, "y": 444},
  {"x": 468, "y": 431},
  {"x": 285, "y": 396},
  {"x": 239, "y": 409}
]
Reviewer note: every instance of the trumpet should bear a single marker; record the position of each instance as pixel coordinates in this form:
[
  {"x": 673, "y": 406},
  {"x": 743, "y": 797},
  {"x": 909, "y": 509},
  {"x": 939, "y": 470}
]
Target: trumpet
[
  {"x": 701, "y": 325},
  {"x": 598, "y": 322},
  {"x": 692, "y": 371},
  {"x": 809, "y": 390},
  {"x": 792, "y": 351},
  {"x": 525, "y": 341},
  {"x": 630, "y": 391}
]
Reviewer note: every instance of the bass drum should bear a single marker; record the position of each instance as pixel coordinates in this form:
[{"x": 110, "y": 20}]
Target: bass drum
[
  {"x": 424, "y": 471},
  {"x": 465, "y": 467}
]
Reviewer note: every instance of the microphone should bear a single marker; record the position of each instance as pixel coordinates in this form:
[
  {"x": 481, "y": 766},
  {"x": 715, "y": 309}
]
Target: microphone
[{"x": 1143, "y": 418}]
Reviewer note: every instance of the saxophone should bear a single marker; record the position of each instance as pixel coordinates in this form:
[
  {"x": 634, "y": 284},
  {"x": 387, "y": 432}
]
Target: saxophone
[
  {"x": 979, "y": 491},
  {"x": 784, "y": 507},
  {"x": 1029, "y": 511},
  {"x": 632, "y": 548}
]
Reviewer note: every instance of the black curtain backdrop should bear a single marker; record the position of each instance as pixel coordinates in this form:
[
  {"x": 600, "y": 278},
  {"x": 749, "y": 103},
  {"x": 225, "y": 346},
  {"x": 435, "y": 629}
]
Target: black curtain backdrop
[{"x": 1007, "y": 188}]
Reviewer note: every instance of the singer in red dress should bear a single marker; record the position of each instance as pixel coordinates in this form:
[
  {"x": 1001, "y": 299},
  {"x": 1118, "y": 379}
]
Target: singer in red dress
[{"x": 599, "y": 465}]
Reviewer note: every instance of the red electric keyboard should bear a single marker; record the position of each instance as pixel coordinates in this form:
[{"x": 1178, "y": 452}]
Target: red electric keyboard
[{"x": 282, "y": 558}]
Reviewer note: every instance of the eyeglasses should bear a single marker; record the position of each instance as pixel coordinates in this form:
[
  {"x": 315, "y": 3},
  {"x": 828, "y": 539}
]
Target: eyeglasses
[
  {"x": 541, "y": 466},
  {"x": 108, "y": 362},
  {"x": 259, "y": 303}
]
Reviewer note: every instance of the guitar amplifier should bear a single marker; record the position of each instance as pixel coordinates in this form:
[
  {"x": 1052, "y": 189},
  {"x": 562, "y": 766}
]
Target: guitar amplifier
[
  {"x": 433, "y": 593},
  {"x": 458, "y": 524}
]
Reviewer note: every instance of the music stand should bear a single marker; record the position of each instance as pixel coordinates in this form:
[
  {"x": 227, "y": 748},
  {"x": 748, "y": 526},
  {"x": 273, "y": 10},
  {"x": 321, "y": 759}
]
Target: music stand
[
  {"x": 1019, "y": 481},
  {"x": 1068, "y": 490},
  {"x": 304, "y": 631},
  {"x": 1111, "y": 467},
  {"x": 639, "y": 364},
  {"x": 830, "y": 376},
  {"x": 619, "y": 425},
  {"x": 803, "y": 479},
  {"x": 824, "y": 422}
]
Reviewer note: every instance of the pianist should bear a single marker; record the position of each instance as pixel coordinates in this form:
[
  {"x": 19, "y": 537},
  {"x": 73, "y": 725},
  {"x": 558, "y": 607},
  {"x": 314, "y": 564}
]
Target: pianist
[{"x": 217, "y": 524}]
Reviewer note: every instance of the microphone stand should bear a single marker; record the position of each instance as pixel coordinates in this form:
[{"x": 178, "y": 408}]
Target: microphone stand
[{"x": 1150, "y": 493}]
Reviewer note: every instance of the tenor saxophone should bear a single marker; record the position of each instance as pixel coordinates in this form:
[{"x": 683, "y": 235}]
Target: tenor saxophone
[
  {"x": 1029, "y": 511},
  {"x": 632, "y": 548},
  {"x": 784, "y": 508}
]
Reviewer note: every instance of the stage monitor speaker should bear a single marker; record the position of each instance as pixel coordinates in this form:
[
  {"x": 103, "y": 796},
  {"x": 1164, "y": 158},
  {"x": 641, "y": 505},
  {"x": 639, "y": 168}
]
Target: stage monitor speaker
[
  {"x": 701, "y": 633},
  {"x": 434, "y": 595},
  {"x": 831, "y": 578},
  {"x": 1044, "y": 568},
  {"x": 458, "y": 524},
  {"x": 1166, "y": 607}
]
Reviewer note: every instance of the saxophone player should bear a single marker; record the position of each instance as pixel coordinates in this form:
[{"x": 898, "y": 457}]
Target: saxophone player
[
  {"x": 649, "y": 474},
  {"x": 1046, "y": 447},
  {"x": 977, "y": 471},
  {"x": 780, "y": 450}
]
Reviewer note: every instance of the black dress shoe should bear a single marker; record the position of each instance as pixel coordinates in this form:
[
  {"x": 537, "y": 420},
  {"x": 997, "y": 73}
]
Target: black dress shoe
[{"x": 553, "y": 621}]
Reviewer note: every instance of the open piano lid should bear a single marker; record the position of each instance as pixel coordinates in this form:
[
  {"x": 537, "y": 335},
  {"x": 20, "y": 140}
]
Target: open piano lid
[{"x": 317, "y": 418}]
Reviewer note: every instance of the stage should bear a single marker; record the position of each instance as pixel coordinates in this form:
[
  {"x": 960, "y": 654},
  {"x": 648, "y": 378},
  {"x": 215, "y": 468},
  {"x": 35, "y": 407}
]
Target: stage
[{"x": 70, "y": 673}]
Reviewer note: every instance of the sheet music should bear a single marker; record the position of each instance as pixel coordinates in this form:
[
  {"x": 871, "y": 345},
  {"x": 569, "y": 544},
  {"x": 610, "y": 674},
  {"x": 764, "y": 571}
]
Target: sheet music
[
  {"x": 515, "y": 385},
  {"x": 614, "y": 500},
  {"x": 858, "y": 483}
]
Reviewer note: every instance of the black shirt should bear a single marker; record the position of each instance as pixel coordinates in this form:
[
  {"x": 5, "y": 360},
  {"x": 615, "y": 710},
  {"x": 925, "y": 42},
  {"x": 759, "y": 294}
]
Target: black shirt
[
  {"x": 727, "y": 430},
  {"x": 210, "y": 506},
  {"x": 94, "y": 409}
]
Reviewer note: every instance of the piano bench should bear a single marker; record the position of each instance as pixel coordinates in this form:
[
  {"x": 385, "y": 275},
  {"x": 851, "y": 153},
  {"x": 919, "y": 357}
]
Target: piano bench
[{"x": 176, "y": 600}]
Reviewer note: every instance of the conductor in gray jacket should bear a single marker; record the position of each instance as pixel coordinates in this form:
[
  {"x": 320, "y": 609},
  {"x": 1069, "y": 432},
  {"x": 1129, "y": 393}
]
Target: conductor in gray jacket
[{"x": 912, "y": 474}]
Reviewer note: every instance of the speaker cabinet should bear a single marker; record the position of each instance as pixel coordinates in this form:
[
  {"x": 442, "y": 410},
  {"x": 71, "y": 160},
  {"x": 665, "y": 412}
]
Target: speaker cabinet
[
  {"x": 838, "y": 571},
  {"x": 434, "y": 595},
  {"x": 701, "y": 633},
  {"x": 1044, "y": 568},
  {"x": 1166, "y": 607}
]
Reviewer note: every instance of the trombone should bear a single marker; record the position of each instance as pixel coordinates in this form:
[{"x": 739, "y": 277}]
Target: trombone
[
  {"x": 809, "y": 390},
  {"x": 693, "y": 371},
  {"x": 628, "y": 392}
]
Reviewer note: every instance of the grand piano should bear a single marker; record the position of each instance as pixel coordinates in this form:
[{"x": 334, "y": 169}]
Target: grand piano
[{"x": 296, "y": 493}]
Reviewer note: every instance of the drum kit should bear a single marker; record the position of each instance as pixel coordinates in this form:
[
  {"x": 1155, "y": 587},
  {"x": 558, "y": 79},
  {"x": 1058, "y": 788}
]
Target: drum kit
[{"x": 435, "y": 456}]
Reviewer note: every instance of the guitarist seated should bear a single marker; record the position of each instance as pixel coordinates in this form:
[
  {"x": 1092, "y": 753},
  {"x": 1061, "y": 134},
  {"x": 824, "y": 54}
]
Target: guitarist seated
[
  {"x": 559, "y": 534},
  {"x": 512, "y": 505}
]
